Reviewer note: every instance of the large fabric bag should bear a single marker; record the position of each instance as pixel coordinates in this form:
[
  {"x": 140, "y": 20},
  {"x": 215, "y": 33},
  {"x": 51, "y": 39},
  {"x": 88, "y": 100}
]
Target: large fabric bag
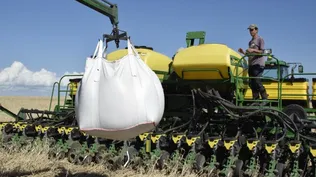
[{"x": 118, "y": 99}]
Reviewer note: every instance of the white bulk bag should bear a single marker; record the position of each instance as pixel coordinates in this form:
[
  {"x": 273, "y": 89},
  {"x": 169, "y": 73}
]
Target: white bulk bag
[{"x": 118, "y": 99}]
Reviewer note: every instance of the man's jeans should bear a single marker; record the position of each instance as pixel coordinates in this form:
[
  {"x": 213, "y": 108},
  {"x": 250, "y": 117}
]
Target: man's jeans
[{"x": 255, "y": 83}]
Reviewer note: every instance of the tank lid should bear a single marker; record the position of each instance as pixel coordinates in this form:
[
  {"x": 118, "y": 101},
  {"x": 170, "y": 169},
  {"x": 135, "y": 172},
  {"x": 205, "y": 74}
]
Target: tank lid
[
  {"x": 142, "y": 47},
  {"x": 75, "y": 80}
]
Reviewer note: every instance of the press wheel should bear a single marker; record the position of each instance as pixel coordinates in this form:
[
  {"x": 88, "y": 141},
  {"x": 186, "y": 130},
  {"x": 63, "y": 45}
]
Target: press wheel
[
  {"x": 199, "y": 162},
  {"x": 100, "y": 156},
  {"x": 162, "y": 160},
  {"x": 72, "y": 156}
]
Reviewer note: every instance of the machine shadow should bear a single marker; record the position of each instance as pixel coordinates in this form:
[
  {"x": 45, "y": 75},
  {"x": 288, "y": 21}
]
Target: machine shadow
[
  {"x": 65, "y": 173},
  {"x": 22, "y": 173}
]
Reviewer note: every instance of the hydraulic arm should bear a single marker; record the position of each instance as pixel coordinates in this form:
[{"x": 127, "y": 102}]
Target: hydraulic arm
[{"x": 110, "y": 10}]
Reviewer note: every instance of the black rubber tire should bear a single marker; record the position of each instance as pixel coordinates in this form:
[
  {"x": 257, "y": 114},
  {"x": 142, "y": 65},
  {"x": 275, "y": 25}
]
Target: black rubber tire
[
  {"x": 60, "y": 155},
  {"x": 295, "y": 109},
  {"x": 99, "y": 157},
  {"x": 51, "y": 154},
  {"x": 87, "y": 160},
  {"x": 132, "y": 152},
  {"x": 199, "y": 162},
  {"x": 72, "y": 156},
  {"x": 162, "y": 159},
  {"x": 6, "y": 137},
  {"x": 280, "y": 168},
  {"x": 238, "y": 171}
]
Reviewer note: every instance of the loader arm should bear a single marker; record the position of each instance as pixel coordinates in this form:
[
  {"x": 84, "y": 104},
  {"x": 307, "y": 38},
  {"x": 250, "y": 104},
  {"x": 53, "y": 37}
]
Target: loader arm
[
  {"x": 110, "y": 10},
  {"x": 104, "y": 7}
]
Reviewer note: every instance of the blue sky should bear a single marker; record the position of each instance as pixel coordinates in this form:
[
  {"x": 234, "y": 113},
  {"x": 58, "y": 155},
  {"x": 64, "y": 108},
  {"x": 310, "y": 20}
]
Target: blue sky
[{"x": 58, "y": 35}]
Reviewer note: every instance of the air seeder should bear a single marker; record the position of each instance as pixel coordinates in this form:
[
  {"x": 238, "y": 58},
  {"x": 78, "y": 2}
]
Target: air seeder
[
  {"x": 207, "y": 117},
  {"x": 208, "y": 120}
]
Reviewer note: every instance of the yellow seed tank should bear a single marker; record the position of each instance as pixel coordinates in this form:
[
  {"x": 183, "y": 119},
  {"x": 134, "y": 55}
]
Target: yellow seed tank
[
  {"x": 155, "y": 60},
  {"x": 207, "y": 61}
]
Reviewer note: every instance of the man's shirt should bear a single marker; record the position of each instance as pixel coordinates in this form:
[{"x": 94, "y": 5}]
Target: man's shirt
[{"x": 256, "y": 43}]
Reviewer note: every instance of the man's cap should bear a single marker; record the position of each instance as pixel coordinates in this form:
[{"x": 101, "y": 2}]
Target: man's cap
[{"x": 252, "y": 26}]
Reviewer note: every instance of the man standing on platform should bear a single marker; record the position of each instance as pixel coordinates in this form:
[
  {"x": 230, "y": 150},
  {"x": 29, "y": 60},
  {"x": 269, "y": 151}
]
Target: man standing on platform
[{"x": 256, "y": 63}]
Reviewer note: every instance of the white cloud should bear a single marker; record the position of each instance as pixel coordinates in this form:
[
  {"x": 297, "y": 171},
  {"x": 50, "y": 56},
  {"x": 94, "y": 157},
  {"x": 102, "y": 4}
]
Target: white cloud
[{"x": 19, "y": 77}]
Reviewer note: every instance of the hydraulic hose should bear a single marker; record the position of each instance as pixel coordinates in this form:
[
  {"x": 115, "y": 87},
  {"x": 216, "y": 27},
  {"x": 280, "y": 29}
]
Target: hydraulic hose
[{"x": 284, "y": 120}]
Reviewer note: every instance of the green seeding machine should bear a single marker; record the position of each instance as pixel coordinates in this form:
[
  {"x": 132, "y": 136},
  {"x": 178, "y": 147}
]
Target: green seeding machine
[{"x": 209, "y": 120}]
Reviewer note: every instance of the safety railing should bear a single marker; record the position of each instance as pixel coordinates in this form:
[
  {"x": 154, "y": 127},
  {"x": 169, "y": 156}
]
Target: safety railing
[
  {"x": 235, "y": 61},
  {"x": 66, "y": 91},
  {"x": 59, "y": 91},
  {"x": 237, "y": 79},
  {"x": 51, "y": 96},
  {"x": 65, "y": 99}
]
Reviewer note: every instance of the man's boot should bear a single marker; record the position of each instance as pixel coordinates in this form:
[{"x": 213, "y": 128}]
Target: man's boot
[
  {"x": 264, "y": 96},
  {"x": 255, "y": 96}
]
